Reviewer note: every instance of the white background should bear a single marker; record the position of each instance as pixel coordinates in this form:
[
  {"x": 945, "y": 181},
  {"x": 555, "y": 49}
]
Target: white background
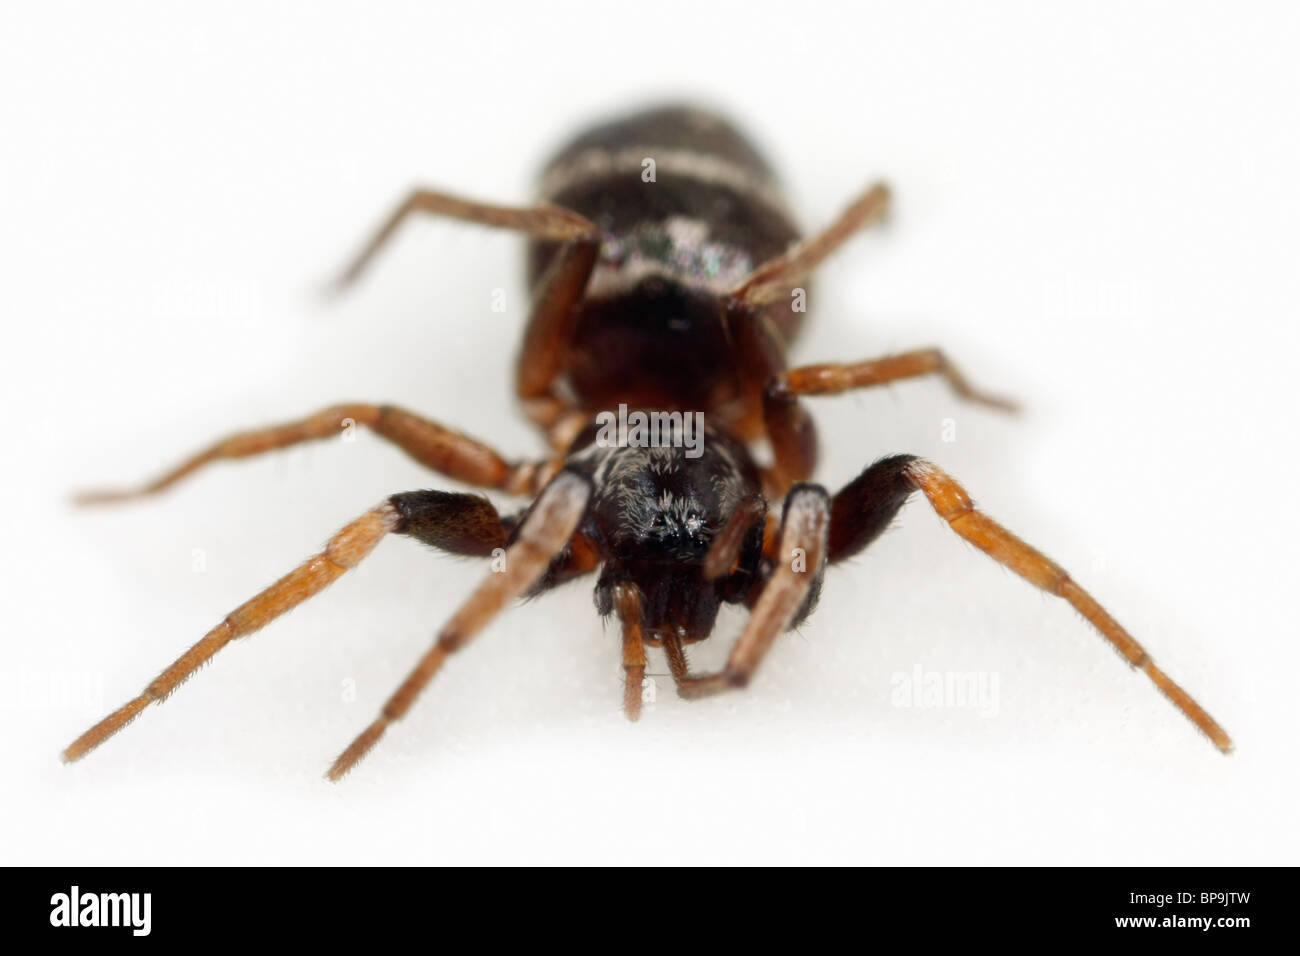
[{"x": 1096, "y": 212}]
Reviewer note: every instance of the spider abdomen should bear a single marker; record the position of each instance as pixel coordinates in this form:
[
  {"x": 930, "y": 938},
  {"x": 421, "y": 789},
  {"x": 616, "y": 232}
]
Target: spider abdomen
[{"x": 687, "y": 208}]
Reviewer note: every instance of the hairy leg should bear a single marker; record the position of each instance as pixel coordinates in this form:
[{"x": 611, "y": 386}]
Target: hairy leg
[
  {"x": 866, "y": 505},
  {"x": 445, "y": 451},
  {"x": 540, "y": 222},
  {"x": 542, "y": 535},
  {"x": 787, "y": 596},
  {"x": 790, "y": 429},
  {"x": 773, "y": 279},
  {"x": 627, "y": 605},
  {"x": 458, "y": 523},
  {"x": 550, "y": 323}
]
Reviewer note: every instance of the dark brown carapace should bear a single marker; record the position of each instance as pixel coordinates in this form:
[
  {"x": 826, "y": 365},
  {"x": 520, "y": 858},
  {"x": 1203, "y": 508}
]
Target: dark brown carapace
[{"x": 667, "y": 284}]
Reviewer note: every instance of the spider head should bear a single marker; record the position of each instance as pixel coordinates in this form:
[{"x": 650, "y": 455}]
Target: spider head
[{"x": 655, "y": 512}]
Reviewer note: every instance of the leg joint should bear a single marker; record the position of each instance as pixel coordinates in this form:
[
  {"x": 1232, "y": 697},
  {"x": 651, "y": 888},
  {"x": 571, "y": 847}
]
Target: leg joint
[
  {"x": 737, "y": 677},
  {"x": 451, "y": 641}
]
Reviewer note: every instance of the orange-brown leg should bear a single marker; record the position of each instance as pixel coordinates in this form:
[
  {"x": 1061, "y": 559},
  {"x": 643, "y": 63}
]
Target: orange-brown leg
[
  {"x": 772, "y": 280},
  {"x": 455, "y": 522},
  {"x": 954, "y": 505},
  {"x": 833, "y": 378},
  {"x": 445, "y": 451},
  {"x": 343, "y": 552},
  {"x": 550, "y": 327},
  {"x": 790, "y": 429},
  {"x": 728, "y": 543},
  {"x": 760, "y": 346},
  {"x": 785, "y": 598},
  {"x": 627, "y": 605},
  {"x": 865, "y": 507},
  {"x": 541, "y": 222},
  {"x": 550, "y": 324},
  {"x": 544, "y": 533},
  {"x": 675, "y": 653}
]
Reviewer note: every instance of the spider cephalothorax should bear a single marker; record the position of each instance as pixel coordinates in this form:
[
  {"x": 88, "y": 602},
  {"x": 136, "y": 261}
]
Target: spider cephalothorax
[{"x": 655, "y": 513}]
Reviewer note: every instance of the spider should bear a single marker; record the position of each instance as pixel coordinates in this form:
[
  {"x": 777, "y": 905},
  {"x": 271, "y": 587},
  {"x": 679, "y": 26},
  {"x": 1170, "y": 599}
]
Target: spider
[{"x": 665, "y": 271}]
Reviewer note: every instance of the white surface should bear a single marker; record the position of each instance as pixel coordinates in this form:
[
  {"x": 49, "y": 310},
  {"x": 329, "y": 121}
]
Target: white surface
[{"x": 1096, "y": 213}]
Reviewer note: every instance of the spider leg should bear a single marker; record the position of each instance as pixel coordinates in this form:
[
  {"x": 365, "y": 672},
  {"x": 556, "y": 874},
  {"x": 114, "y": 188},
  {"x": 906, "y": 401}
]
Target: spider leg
[
  {"x": 790, "y": 429},
  {"x": 787, "y": 596},
  {"x": 445, "y": 451},
  {"x": 550, "y": 324},
  {"x": 455, "y": 522},
  {"x": 866, "y": 505},
  {"x": 675, "y": 653},
  {"x": 543, "y": 534},
  {"x": 726, "y": 547},
  {"x": 541, "y": 222},
  {"x": 833, "y": 378},
  {"x": 773, "y": 279},
  {"x": 627, "y": 605}
]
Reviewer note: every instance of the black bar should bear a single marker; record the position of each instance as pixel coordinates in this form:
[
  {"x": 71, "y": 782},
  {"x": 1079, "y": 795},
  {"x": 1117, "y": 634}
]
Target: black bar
[{"x": 366, "y": 906}]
